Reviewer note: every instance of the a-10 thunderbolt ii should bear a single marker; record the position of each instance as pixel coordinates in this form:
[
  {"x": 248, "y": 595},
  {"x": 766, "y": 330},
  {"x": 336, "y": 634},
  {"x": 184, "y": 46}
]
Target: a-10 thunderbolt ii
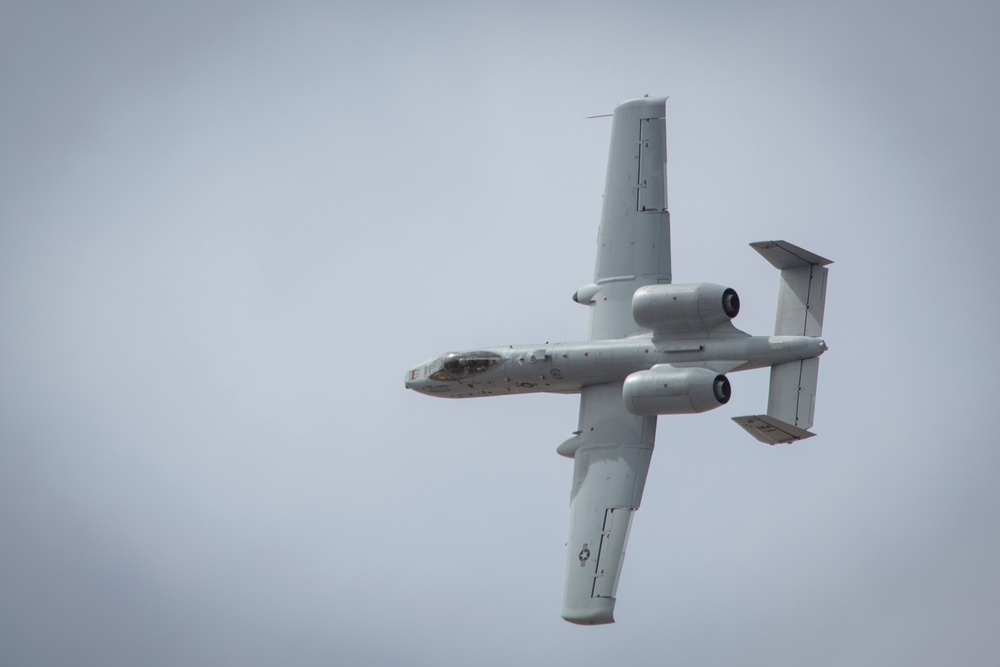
[{"x": 655, "y": 348}]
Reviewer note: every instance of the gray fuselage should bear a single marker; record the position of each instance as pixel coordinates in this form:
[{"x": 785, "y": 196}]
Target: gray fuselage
[{"x": 568, "y": 367}]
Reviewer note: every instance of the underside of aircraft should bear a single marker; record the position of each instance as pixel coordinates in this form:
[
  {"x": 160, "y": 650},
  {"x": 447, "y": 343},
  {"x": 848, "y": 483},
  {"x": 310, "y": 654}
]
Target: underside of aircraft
[{"x": 655, "y": 348}]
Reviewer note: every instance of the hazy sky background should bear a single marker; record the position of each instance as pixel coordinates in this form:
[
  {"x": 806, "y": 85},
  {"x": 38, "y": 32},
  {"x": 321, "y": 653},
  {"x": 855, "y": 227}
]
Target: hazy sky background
[{"x": 227, "y": 229}]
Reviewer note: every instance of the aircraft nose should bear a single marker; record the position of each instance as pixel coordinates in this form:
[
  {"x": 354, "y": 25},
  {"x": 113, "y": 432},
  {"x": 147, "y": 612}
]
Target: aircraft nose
[{"x": 413, "y": 378}]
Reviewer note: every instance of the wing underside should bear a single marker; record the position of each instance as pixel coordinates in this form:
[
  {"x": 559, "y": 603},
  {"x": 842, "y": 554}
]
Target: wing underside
[
  {"x": 633, "y": 246},
  {"x": 611, "y": 455},
  {"x": 612, "y": 447}
]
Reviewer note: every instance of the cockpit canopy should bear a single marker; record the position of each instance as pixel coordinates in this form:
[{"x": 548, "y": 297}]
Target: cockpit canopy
[{"x": 462, "y": 365}]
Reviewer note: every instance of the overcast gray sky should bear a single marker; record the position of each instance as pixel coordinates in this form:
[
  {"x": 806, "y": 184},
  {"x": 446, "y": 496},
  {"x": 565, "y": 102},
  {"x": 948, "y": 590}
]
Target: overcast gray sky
[{"x": 227, "y": 229}]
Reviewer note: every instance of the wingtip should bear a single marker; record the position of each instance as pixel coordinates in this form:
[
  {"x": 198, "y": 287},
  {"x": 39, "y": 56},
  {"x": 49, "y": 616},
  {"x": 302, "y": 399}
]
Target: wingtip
[{"x": 598, "y": 611}]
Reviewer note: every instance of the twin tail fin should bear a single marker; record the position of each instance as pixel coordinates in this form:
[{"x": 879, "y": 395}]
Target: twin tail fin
[{"x": 801, "y": 302}]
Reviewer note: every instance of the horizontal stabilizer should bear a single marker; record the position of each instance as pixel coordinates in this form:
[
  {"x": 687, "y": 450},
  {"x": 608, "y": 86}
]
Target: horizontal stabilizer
[
  {"x": 802, "y": 295},
  {"x": 771, "y": 431},
  {"x": 792, "y": 396}
]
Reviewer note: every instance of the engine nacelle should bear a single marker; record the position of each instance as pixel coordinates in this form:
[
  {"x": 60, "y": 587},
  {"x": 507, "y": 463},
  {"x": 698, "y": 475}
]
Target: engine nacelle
[
  {"x": 682, "y": 309},
  {"x": 665, "y": 390}
]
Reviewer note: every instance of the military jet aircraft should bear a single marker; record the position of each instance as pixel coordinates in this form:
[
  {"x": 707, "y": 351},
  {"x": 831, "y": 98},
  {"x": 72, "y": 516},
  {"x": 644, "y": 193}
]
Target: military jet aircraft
[{"x": 655, "y": 348}]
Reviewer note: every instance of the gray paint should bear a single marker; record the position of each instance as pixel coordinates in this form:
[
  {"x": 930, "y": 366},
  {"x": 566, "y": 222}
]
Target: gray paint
[
  {"x": 206, "y": 456},
  {"x": 673, "y": 341}
]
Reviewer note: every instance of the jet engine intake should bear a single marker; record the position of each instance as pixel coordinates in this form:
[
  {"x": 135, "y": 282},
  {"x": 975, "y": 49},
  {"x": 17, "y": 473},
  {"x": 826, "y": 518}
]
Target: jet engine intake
[
  {"x": 665, "y": 390},
  {"x": 682, "y": 309}
]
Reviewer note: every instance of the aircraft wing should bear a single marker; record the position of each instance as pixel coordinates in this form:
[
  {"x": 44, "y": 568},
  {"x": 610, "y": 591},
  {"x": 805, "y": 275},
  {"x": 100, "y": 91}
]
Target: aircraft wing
[
  {"x": 633, "y": 245},
  {"x": 612, "y": 448},
  {"x": 611, "y": 452}
]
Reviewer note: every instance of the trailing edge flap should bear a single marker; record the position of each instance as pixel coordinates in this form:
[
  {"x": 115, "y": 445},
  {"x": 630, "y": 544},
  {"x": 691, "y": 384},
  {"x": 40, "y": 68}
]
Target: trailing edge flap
[
  {"x": 771, "y": 431},
  {"x": 611, "y": 457}
]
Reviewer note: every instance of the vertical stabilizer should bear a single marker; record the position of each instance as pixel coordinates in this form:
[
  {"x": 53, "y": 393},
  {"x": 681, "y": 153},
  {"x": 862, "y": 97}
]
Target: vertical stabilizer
[{"x": 801, "y": 302}]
